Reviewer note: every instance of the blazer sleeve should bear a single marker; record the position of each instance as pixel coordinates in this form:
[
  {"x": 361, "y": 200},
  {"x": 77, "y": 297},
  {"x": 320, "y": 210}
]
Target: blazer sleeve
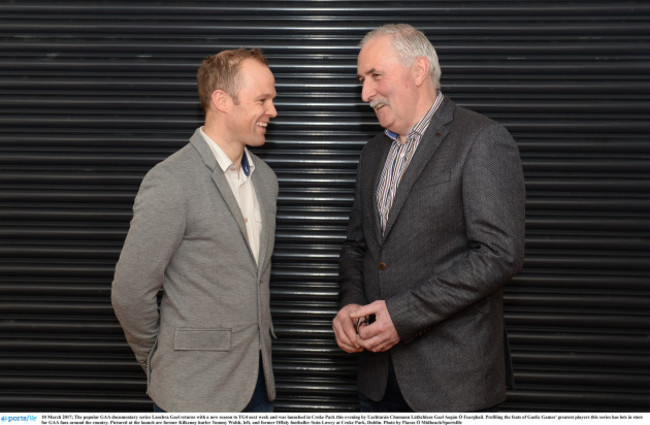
[
  {"x": 156, "y": 229},
  {"x": 493, "y": 205}
]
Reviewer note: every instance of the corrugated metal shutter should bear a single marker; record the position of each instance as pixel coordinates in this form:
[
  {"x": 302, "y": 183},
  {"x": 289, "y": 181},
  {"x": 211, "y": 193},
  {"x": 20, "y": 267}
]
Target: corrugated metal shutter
[{"x": 93, "y": 93}]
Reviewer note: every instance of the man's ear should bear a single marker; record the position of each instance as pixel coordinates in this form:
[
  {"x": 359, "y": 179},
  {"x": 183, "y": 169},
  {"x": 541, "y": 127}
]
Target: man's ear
[
  {"x": 420, "y": 70},
  {"x": 220, "y": 100}
]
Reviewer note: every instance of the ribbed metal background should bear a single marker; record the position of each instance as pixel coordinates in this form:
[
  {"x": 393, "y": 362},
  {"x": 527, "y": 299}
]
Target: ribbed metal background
[{"x": 94, "y": 93}]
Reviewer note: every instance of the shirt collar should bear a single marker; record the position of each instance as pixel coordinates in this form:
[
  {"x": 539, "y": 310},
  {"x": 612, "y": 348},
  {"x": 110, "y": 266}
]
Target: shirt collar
[{"x": 247, "y": 165}]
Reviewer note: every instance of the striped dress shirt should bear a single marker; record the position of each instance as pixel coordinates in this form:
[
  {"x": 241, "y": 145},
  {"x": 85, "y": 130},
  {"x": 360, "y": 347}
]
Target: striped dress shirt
[{"x": 398, "y": 160}]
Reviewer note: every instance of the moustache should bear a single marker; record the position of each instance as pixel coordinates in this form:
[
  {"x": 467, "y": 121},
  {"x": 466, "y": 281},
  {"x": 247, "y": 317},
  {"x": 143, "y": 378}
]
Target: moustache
[{"x": 378, "y": 103}]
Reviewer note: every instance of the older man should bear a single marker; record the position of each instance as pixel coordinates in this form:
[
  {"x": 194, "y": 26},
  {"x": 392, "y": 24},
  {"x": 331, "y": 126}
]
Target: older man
[
  {"x": 203, "y": 230},
  {"x": 436, "y": 230}
]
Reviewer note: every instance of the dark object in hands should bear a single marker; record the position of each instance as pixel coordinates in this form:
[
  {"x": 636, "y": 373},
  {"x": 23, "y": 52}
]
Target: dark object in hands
[{"x": 364, "y": 321}]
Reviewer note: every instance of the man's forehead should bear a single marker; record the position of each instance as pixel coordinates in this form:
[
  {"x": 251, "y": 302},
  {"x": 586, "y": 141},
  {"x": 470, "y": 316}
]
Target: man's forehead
[
  {"x": 374, "y": 53},
  {"x": 260, "y": 86},
  {"x": 254, "y": 70}
]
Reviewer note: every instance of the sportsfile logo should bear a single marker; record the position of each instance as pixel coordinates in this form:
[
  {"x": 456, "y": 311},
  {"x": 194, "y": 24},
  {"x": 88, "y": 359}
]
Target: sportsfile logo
[{"x": 26, "y": 418}]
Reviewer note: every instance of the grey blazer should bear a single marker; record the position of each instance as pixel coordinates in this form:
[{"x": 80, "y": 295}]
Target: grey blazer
[
  {"x": 454, "y": 237},
  {"x": 201, "y": 346}
]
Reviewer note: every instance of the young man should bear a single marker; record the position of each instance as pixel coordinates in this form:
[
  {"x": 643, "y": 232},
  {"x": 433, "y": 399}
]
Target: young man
[{"x": 203, "y": 231}]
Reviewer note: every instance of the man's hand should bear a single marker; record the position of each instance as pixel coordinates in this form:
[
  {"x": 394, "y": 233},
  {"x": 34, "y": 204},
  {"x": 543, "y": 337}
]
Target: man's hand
[
  {"x": 380, "y": 335},
  {"x": 344, "y": 329}
]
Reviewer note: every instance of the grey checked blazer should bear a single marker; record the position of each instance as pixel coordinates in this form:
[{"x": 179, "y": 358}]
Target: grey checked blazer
[
  {"x": 454, "y": 237},
  {"x": 202, "y": 344}
]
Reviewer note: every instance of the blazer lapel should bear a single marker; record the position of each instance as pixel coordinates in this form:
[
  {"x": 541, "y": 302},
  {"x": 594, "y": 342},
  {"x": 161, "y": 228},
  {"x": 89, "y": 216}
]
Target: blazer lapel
[
  {"x": 431, "y": 139},
  {"x": 382, "y": 154},
  {"x": 226, "y": 193},
  {"x": 201, "y": 145}
]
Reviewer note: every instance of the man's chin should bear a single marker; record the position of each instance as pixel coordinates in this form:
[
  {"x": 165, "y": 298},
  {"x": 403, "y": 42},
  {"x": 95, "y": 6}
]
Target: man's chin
[
  {"x": 257, "y": 142},
  {"x": 384, "y": 123},
  {"x": 382, "y": 117}
]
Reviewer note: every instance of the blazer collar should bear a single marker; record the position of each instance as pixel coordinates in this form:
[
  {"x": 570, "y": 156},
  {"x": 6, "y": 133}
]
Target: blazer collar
[{"x": 431, "y": 139}]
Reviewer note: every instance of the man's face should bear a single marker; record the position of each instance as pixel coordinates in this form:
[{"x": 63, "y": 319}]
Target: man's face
[
  {"x": 253, "y": 107},
  {"x": 388, "y": 86}
]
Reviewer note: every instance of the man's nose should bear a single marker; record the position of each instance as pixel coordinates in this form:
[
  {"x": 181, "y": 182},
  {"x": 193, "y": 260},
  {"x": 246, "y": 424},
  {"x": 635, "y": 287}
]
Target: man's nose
[
  {"x": 271, "y": 111},
  {"x": 367, "y": 91}
]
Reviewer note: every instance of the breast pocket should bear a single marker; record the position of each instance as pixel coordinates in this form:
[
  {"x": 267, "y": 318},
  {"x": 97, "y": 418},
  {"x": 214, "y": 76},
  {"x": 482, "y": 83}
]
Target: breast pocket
[
  {"x": 441, "y": 177},
  {"x": 434, "y": 194}
]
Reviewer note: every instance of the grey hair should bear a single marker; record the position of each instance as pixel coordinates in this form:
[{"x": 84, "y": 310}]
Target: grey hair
[{"x": 409, "y": 43}]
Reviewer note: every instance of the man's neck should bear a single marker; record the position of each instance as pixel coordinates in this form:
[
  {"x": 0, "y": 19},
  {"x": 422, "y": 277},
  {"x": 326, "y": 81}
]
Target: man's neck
[
  {"x": 424, "y": 105},
  {"x": 234, "y": 151}
]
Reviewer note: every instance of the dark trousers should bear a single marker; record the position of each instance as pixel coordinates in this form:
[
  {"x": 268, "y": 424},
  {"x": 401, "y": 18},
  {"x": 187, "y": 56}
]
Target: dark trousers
[{"x": 392, "y": 401}]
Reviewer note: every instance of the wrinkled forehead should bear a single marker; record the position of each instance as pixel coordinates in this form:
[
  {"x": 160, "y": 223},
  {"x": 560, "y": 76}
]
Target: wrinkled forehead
[
  {"x": 378, "y": 47},
  {"x": 377, "y": 53}
]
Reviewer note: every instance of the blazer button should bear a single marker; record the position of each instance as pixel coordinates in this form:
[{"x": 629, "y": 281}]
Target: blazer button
[{"x": 382, "y": 265}]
